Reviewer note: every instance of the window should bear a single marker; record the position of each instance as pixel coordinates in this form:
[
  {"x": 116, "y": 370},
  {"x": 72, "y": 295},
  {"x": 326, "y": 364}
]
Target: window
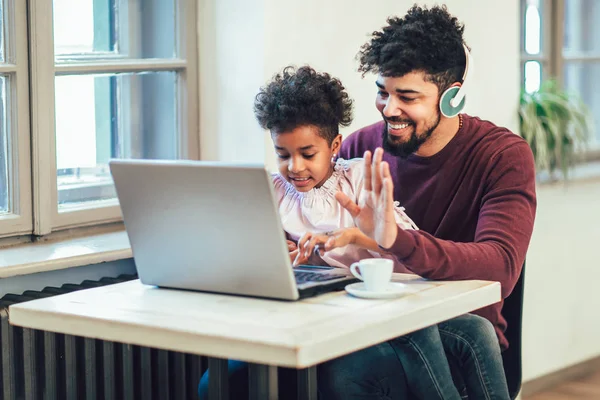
[
  {"x": 533, "y": 55},
  {"x": 108, "y": 79},
  {"x": 15, "y": 163},
  {"x": 581, "y": 54},
  {"x": 561, "y": 39}
]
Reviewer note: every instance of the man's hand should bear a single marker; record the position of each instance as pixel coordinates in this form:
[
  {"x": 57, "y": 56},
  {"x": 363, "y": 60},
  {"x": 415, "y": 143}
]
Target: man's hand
[{"x": 374, "y": 213}]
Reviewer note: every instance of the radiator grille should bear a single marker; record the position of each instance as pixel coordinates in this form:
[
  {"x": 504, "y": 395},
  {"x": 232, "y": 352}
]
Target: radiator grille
[{"x": 45, "y": 365}]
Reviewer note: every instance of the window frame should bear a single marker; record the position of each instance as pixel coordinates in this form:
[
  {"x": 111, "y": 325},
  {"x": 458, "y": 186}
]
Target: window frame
[
  {"x": 47, "y": 217},
  {"x": 19, "y": 222},
  {"x": 552, "y": 57}
]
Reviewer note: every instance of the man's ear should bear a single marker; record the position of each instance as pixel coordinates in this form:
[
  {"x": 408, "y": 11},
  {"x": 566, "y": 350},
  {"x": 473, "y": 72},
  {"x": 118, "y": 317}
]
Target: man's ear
[
  {"x": 448, "y": 101},
  {"x": 441, "y": 92}
]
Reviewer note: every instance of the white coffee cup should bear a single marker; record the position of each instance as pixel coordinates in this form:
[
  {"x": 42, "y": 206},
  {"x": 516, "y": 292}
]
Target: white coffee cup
[{"x": 376, "y": 273}]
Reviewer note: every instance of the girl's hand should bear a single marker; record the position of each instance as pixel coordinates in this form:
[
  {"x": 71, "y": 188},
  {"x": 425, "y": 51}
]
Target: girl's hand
[
  {"x": 324, "y": 242},
  {"x": 291, "y": 245},
  {"x": 293, "y": 249},
  {"x": 298, "y": 258}
]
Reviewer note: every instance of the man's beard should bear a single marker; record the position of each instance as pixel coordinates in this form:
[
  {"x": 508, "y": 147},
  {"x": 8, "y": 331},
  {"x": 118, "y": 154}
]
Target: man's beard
[{"x": 403, "y": 149}]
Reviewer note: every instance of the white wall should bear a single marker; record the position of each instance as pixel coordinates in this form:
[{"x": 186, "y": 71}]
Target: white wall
[
  {"x": 242, "y": 46},
  {"x": 231, "y": 64},
  {"x": 561, "y": 322},
  {"x": 76, "y": 275}
]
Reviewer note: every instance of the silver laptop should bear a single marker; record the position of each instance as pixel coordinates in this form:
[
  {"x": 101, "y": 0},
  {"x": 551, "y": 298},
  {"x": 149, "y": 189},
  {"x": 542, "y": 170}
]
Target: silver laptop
[{"x": 212, "y": 227}]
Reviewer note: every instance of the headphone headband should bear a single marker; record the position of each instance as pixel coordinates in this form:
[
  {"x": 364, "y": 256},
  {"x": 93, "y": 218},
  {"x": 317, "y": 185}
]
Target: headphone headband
[{"x": 460, "y": 95}]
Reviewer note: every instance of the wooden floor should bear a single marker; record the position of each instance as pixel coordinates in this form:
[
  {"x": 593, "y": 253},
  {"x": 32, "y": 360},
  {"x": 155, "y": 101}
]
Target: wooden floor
[{"x": 586, "y": 388}]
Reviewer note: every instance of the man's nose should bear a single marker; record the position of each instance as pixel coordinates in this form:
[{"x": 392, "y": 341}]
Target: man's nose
[{"x": 392, "y": 108}]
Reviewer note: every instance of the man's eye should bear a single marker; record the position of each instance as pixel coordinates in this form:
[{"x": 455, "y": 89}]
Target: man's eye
[
  {"x": 407, "y": 99},
  {"x": 382, "y": 93}
]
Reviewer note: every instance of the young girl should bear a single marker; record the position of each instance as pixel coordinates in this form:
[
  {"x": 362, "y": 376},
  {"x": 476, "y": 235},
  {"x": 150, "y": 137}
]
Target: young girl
[
  {"x": 303, "y": 110},
  {"x": 311, "y": 216}
]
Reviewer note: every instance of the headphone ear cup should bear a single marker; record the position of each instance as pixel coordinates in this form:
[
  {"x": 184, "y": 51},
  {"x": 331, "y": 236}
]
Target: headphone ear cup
[{"x": 445, "y": 106}]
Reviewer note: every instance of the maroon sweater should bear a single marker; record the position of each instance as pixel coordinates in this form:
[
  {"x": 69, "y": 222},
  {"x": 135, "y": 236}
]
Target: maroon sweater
[{"x": 474, "y": 203}]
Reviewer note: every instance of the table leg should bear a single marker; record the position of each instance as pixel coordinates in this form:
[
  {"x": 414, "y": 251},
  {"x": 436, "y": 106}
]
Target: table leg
[
  {"x": 218, "y": 379},
  {"x": 262, "y": 381},
  {"x": 307, "y": 383}
]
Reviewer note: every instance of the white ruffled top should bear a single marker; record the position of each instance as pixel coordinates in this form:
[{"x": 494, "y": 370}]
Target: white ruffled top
[{"x": 317, "y": 211}]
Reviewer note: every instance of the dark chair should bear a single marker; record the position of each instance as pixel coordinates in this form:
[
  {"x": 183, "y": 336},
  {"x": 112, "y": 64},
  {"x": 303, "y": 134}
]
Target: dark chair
[{"x": 512, "y": 311}]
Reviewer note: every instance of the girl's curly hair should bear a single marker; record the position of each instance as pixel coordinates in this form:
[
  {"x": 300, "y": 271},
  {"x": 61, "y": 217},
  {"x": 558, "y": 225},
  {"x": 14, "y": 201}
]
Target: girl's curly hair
[{"x": 303, "y": 96}]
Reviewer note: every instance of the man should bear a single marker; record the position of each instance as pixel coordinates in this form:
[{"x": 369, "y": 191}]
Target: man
[{"x": 468, "y": 184}]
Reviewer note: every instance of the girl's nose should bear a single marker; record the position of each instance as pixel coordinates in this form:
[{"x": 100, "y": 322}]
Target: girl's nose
[{"x": 295, "y": 165}]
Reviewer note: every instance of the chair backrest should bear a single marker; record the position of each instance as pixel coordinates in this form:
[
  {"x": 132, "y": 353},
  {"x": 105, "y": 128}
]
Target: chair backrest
[{"x": 512, "y": 311}]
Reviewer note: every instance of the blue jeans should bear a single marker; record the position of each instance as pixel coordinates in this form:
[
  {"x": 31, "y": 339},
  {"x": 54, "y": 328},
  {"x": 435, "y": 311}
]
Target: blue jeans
[
  {"x": 475, "y": 358},
  {"x": 451, "y": 360}
]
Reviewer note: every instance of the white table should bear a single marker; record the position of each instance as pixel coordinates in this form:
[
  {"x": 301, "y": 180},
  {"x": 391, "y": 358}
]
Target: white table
[{"x": 266, "y": 333}]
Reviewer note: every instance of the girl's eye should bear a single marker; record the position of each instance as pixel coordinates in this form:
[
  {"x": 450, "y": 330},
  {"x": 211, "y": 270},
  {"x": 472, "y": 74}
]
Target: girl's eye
[
  {"x": 283, "y": 156},
  {"x": 309, "y": 156},
  {"x": 407, "y": 99}
]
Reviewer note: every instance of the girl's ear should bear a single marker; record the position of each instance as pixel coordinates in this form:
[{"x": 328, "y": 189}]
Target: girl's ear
[{"x": 336, "y": 144}]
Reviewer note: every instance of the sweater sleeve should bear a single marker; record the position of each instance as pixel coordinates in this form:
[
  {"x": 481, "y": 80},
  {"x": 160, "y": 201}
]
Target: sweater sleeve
[{"x": 503, "y": 232}]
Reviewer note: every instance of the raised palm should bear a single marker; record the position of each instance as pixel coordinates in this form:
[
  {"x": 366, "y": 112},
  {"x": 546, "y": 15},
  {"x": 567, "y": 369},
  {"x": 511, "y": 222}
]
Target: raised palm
[{"x": 374, "y": 213}]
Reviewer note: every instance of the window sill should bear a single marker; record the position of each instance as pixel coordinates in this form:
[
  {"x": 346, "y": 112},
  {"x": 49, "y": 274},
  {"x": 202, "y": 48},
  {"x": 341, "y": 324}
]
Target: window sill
[
  {"x": 584, "y": 172},
  {"x": 30, "y": 258}
]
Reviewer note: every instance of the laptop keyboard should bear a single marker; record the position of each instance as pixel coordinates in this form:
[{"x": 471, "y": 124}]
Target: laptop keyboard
[{"x": 305, "y": 276}]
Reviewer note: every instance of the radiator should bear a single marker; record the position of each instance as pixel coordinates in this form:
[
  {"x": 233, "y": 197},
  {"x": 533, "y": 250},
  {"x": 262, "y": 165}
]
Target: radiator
[{"x": 50, "y": 366}]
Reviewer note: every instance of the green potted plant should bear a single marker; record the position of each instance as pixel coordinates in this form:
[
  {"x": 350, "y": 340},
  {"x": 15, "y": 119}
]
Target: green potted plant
[{"x": 556, "y": 124}]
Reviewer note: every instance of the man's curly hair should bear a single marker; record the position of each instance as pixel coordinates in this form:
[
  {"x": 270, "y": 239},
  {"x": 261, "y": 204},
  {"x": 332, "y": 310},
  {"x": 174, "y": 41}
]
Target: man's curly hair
[
  {"x": 302, "y": 97},
  {"x": 427, "y": 40}
]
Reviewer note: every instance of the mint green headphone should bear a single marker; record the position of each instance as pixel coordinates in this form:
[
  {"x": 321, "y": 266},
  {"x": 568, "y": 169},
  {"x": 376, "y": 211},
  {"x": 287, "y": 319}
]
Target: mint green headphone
[{"x": 453, "y": 99}]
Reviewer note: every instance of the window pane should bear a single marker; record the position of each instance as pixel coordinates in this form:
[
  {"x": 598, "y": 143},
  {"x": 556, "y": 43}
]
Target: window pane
[
  {"x": 4, "y": 164},
  {"x": 114, "y": 28},
  {"x": 581, "y": 77},
  {"x": 533, "y": 30},
  {"x": 76, "y": 31},
  {"x": 99, "y": 117},
  {"x": 582, "y": 30},
  {"x": 533, "y": 76}
]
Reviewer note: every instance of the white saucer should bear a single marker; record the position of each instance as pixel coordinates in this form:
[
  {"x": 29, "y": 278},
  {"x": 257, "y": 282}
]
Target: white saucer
[{"x": 393, "y": 290}]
